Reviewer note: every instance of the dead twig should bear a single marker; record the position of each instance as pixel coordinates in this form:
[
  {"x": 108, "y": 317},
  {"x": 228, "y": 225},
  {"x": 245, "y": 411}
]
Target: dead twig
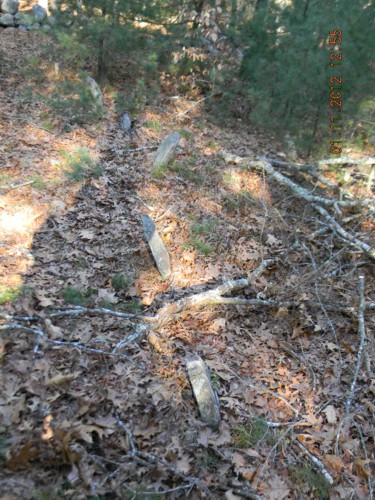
[
  {"x": 362, "y": 340},
  {"x": 153, "y": 459},
  {"x": 317, "y": 463},
  {"x": 335, "y": 226}
]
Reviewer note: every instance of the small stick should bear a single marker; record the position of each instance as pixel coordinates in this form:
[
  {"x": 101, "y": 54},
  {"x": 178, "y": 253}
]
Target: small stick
[
  {"x": 362, "y": 340},
  {"x": 318, "y": 464},
  {"x": 16, "y": 186}
]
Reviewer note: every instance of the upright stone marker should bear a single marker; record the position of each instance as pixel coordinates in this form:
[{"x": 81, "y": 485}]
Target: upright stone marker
[
  {"x": 166, "y": 150},
  {"x": 95, "y": 91},
  {"x": 126, "y": 122},
  {"x": 205, "y": 395},
  {"x": 159, "y": 252}
]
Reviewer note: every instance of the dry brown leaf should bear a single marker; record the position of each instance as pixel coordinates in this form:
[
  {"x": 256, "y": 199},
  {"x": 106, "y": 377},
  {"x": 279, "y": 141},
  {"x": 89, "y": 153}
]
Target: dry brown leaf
[
  {"x": 360, "y": 467},
  {"x": 334, "y": 462},
  {"x": 155, "y": 341},
  {"x": 331, "y": 415},
  {"x": 19, "y": 459},
  {"x": 54, "y": 332}
]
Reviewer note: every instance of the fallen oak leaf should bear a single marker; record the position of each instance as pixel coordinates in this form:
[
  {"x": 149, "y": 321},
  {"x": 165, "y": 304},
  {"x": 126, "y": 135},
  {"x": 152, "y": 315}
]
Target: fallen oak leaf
[
  {"x": 19, "y": 459},
  {"x": 334, "y": 462},
  {"x": 359, "y": 467}
]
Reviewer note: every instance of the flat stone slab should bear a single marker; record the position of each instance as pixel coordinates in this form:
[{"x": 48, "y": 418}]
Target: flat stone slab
[
  {"x": 157, "y": 247},
  {"x": 166, "y": 150},
  {"x": 204, "y": 393}
]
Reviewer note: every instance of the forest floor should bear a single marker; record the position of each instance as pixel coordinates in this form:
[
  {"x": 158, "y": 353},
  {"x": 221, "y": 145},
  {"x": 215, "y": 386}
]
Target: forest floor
[{"x": 77, "y": 423}]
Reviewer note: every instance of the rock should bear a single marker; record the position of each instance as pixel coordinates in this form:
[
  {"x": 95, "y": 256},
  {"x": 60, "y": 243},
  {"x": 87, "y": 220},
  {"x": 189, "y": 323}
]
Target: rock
[
  {"x": 157, "y": 247},
  {"x": 23, "y": 28},
  {"x": 10, "y": 6},
  {"x": 166, "y": 150},
  {"x": 39, "y": 13},
  {"x": 6, "y": 20},
  {"x": 205, "y": 395},
  {"x": 95, "y": 91},
  {"x": 234, "y": 159},
  {"x": 22, "y": 19},
  {"x": 46, "y": 27},
  {"x": 125, "y": 123},
  {"x": 34, "y": 27}
]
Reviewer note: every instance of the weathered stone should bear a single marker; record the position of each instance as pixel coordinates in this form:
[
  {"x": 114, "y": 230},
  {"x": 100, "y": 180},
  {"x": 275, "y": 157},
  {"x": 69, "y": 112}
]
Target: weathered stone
[
  {"x": 125, "y": 123},
  {"x": 234, "y": 159},
  {"x": 205, "y": 395},
  {"x": 6, "y": 20},
  {"x": 10, "y": 6},
  {"x": 157, "y": 247},
  {"x": 95, "y": 91},
  {"x": 166, "y": 150},
  {"x": 34, "y": 27},
  {"x": 39, "y": 13},
  {"x": 23, "y": 19}
]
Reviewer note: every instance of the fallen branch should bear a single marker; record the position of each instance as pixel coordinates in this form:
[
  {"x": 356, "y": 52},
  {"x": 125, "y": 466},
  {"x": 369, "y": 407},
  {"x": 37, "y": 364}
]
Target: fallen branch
[
  {"x": 153, "y": 459},
  {"x": 305, "y": 194},
  {"x": 16, "y": 186},
  {"x": 62, "y": 343},
  {"x": 367, "y": 249},
  {"x": 318, "y": 464},
  {"x": 83, "y": 311},
  {"x": 362, "y": 340}
]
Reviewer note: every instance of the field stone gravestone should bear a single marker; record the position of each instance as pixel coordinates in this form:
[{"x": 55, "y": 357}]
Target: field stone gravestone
[
  {"x": 126, "y": 122},
  {"x": 95, "y": 92},
  {"x": 157, "y": 247},
  {"x": 205, "y": 395},
  {"x": 166, "y": 150}
]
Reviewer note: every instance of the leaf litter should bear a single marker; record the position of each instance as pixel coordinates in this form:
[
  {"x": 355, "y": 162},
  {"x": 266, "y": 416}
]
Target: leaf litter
[{"x": 279, "y": 368}]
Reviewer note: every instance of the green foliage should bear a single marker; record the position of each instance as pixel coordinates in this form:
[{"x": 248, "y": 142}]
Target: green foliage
[
  {"x": 121, "y": 282},
  {"x": 132, "y": 306},
  {"x": 79, "y": 165},
  {"x": 159, "y": 171},
  {"x": 33, "y": 70},
  {"x": 201, "y": 246},
  {"x": 5, "y": 180},
  {"x": 283, "y": 82},
  {"x": 206, "y": 459},
  {"x": 238, "y": 201},
  {"x": 305, "y": 476},
  {"x": 246, "y": 436},
  {"x": 183, "y": 169},
  {"x": 8, "y": 293},
  {"x": 70, "y": 50},
  {"x": 11, "y": 293},
  {"x": 186, "y": 134},
  {"x": 154, "y": 125},
  {"x": 76, "y": 296},
  {"x": 215, "y": 381},
  {"x": 73, "y": 100},
  {"x": 38, "y": 182},
  {"x": 206, "y": 227}
]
